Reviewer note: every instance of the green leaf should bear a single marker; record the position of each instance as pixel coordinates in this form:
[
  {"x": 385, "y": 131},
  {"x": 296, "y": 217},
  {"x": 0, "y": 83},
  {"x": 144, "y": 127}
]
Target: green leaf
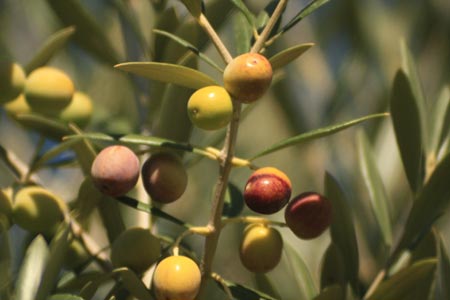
[
  {"x": 244, "y": 292},
  {"x": 406, "y": 121},
  {"x": 133, "y": 284},
  {"x": 243, "y": 34},
  {"x": 410, "y": 69},
  {"x": 71, "y": 282},
  {"x": 333, "y": 269},
  {"x": 265, "y": 285},
  {"x": 31, "y": 269},
  {"x": 48, "y": 127},
  {"x": 194, "y": 7},
  {"x": 169, "y": 73},
  {"x": 342, "y": 229},
  {"x": 412, "y": 283},
  {"x": 89, "y": 33},
  {"x": 375, "y": 187},
  {"x": 52, "y": 153},
  {"x": 7, "y": 160},
  {"x": 240, "y": 5},
  {"x": 6, "y": 278},
  {"x": 429, "y": 205},
  {"x": 330, "y": 293},
  {"x": 441, "y": 120},
  {"x": 58, "y": 250},
  {"x": 311, "y": 7},
  {"x": 190, "y": 47},
  {"x": 168, "y": 21},
  {"x": 64, "y": 297},
  {"x": 51, "y": 46},
  {"x": 288, "y": 55},
  {"x": 315, "y": 134},
  {"x": 301, "y": 271},
  {"x": 443, "y": 274}
]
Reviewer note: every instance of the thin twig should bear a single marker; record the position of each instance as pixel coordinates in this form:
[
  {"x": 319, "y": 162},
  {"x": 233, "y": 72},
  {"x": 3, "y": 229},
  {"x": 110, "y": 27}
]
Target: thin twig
[
  {"x": 215, "y": 39},
  {"x": 224, "y": 285},
  {"x": 375, "y": 284}
]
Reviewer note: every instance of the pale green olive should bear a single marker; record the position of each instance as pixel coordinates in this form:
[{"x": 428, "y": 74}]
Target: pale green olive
[
  {"x": 12, "y": 81},
  {"x": 79, "y": 111}
]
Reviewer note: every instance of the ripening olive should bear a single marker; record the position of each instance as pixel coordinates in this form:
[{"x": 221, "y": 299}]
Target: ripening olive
[
  {"x": 308, "y": 215},
  {"x": 176, "y": 278},
  {"x": 164, "y": 177},
  {"x": 79, "y": 111},
  {"x": 12, "y": 81},
  {"x": 261, "y": 248},
  {"x": 38, "y": 210},
  {"x": 17, "y": 106},
  {"x": 136, "y": 248},
  {"x": 115, "y": 170},
  {"x": 267, "y": 190},
  {"x": 210, "y": 108},
  {"x": 247, "y": 77},
  {"x": 48, "y": 90}
]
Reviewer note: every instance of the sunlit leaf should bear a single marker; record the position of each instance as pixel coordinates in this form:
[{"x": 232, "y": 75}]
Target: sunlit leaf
[
  {"x": 51, "y": 46},
  {"x": 169, "y": 73},
  {"x": 406, "y": 121},
  {"x": 194, "y": 7},
  {"x": 89, "y": 34},
  {"x": 375, "y": 187},
  {"x": 342, "y": 229},
  {"x": 288, "y": 55},
  {"x": 315, "y": 134},
  {"x": 9, "y": 163},
  {"x": 32, "y": 267},
  {"x": 310, "y": 8},
  {"x": 412, "y": 283}
]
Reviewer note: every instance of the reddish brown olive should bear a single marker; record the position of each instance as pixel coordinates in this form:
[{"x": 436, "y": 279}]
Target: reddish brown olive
[
  {"x": 308, "y": 215},
  {"x": 267, "y": 190}
]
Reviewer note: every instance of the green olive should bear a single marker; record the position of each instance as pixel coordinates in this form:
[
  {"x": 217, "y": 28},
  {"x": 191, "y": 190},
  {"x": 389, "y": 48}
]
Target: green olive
[
  {"x": 176, "y": 278},
  {"x": 38, "y": 210},
  {"x": 261, "y": 248},
  {"x": 6, "y": 207},
  {"x": 210, "y": 108},
  {"x": 136, "y": 248},
  {"x": 48, "y": 90},
  {"x": 12, "y": 81},
  {"x": 247, "y": 77},
  {"x": 79, "y": 111}
]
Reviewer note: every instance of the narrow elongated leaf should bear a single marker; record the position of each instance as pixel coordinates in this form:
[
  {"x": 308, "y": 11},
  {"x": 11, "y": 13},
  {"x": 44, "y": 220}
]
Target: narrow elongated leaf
[
  {"x": 194, "y": 7},
  {"x": 342, "y": 229},
  {"x": 9, "y": 162},
  {"x": 169, "y": 73},
  {"x": 333, "y": 269},
  {"x": 311, "y": 7},
  {"x": 50, "y": 128},
  {"x": 190, "y": 47},
  {"x": 52, "y": 153},
  {"x": 429, "y": 205},
  {"x": 6, "y": 279},
  {"x": 265, "y": 285},
  {"x": 242, "y": 292},
  {"x": 32, "y": 267},
  {"x": 443, "y": 274},
  {"x": 245, "y": 11},
  {"x": 53, "y": 44},
  {"x": 76, "y": 283},
  {"x": 89, "y": 33},
  {"x": 315, "y": 134},
  {"x": 441, "y": 120},
  {"x": 302, "y": 273},
  {"x": 133, "y": 284},
  {"x": 412, "y": 283},
  {"x": 168, "y": 21},
  {"x": 330, "y": 293},
  {"x": 406, "y": 121},
  {"x": 64, "y": 297},
  {"x": 243, "y": 34},
  {"x": 288, "y": 55},
  {"x": 375, "y": 187}
]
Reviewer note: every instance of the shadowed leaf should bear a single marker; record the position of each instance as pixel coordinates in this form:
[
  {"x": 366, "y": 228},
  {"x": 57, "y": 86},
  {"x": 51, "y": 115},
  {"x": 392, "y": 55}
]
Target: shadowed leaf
[
  {"x": 441, "y": 120},
  {"x": 194, "y": 7},
  {"x": 245, "y": 11},
  {"x": 6, "y": 277},
  {"x": 64, "y": 297},
  {"x": 333, "y": 269},
  {"x": 243, "y": 292},
  {"x": 332, "y": 292},
  {"x": 443, "y": 275}
]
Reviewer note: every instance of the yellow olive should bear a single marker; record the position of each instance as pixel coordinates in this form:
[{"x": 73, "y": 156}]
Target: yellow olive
[
  {"x": 176, "y": 278},
  {"x": 115, "y": 170},
  {"x": 48, "y": 90},
  {"x": 267, "y": 190},
  {"x": 38, "y": 210},
  {"x": 210, "y": 108},
  {"x": 17, "y": 106},
  {"x": 136, "y": 248},
  {"x": 12, "y": 81},
  {"x": 261, "y": 248},
  {"x": 79, "y": 111},
  {"x": 247, "y": 77},
  {"x": 308, "y": 215},
  {"x": 6, "y": 207},
  {"x": 164, "y": 177}
]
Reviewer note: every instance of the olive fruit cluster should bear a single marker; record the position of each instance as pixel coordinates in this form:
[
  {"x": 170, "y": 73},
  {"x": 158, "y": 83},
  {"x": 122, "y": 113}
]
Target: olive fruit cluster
[
  {"x": 261, "y": 248},
  {"x": 268, "y": 190},
  {"x": 176, "y": 278},
  {"x": 115, "y": 171}
]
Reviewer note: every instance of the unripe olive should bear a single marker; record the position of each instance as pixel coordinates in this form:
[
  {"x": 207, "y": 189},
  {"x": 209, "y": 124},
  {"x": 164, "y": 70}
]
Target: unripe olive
[
  {"x": 115, "y": 170},
  {"x": 48, "y": 90},
  {"x": 210, "y": 108},
  {"x": 12, "y": 81},
  {"x": 176, "y": 278},
  {"x": 136, "y": 248},
  {"x": 261, "y": 248},
  {"x": 308, "y": 215},
  {"x": 247, "y": 77},
  {"x": 79, "y": 111},
  {"x": 38, "y": 210},
  {"x": 267, "y": 190},
  {"x": 17, "y": 106},
  {"x": 76, "y": 256},
  {"x": 6, "y": 207},
  {"x": 164, "y": 177}
]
